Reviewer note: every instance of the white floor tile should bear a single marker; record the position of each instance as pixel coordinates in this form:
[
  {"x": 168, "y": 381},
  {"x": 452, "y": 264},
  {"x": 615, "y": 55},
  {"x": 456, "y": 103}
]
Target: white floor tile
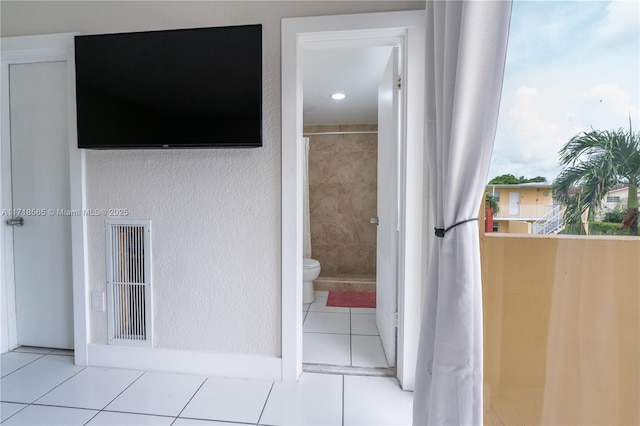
[
  {"x": 34, "y": 380},
  {"x": 229, "y": 400},
  {"x": 162, "y": 394},
  {"x": 323, "y": 322},
  {"x": 316, "y": 399},
  {"x": 320, "y": 305},
  {"x": 93, "y": 388},
  {"x": 320, "y": 348},
  {"x": 107, "y": 418},
  {"x": 367, "y": 351},
  {"x": 376, "y": 401},
  {"x": 363, "y": 310},
  {"x": 8, "y": 409},
  {"x": 321, "y": 293},
  {"x": 41, "y": 415},
  {"x": 364, "y": 324},
  {"x": 11, "y": 361}
]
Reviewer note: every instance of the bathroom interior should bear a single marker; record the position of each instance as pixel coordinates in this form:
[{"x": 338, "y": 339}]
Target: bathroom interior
[{"x": 340, "y": 206}]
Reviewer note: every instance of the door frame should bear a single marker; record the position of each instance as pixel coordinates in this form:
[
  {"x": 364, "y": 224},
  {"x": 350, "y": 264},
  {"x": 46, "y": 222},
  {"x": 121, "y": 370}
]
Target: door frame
[
  {"x": 36, "y": 49},
  {"x": 407, "y": 29}
]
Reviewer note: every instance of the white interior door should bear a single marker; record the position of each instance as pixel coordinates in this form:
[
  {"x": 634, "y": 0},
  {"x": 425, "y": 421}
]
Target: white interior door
[
  {"x": 387, "y": 236},
  {"x": 514, "y": 203},
  {"x": 39, "y": 146}
]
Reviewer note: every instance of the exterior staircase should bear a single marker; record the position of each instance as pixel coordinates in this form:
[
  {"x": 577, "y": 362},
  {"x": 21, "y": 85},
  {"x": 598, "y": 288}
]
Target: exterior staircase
[{"x": 551, "y": 223}]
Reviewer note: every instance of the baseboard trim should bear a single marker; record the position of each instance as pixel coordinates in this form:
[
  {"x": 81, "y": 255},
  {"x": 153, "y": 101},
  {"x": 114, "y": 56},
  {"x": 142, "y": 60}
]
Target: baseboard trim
[{"x": 218, "y": 364}]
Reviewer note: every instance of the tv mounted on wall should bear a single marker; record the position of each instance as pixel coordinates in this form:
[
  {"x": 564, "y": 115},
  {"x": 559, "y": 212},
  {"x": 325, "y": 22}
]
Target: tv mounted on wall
[{"x": 188, "y": 88}]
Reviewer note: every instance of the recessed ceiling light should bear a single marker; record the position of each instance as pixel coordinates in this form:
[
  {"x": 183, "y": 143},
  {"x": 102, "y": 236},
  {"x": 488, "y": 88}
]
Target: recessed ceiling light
[{"x": 338, "y": 96}]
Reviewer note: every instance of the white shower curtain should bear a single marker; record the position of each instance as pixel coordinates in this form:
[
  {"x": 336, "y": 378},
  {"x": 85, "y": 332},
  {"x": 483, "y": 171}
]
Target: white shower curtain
[
  {"x": 306, "y": 248},
  {"x": 466, "y": 49}
]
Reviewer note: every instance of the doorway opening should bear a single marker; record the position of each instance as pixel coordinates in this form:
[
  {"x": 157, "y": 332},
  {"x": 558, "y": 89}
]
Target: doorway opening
[
  {"x": 351, "y": 119},
  {"x": 391, "y": 30}
]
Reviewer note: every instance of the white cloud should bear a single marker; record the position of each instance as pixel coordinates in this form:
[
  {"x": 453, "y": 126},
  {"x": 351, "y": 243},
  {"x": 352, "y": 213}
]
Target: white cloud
[
  {"x": 615, "y": 102},
  {"x": 550, "y": 97},
  {"x": 620, "y": 25}
]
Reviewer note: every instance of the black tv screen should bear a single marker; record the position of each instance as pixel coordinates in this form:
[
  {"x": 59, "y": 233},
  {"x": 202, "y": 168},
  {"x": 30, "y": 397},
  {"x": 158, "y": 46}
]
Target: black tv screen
[{"x": 188, "y": 88}]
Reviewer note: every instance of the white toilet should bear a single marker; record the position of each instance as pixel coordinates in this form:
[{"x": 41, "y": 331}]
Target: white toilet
[{"x": 310, "y": 271}]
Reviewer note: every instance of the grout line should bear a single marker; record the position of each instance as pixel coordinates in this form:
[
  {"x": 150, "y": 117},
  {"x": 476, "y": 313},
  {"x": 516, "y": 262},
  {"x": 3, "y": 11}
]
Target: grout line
[
  {"x": 350, "y": 345},
  {"x": 137, "y": 413},
  {"x": 215, "y": 422},
  {"x": 34, "y": 402},
  {"x": 21, "y": 403},
  {"x": 343, "y": 400},
  {"x": 29, "y": 363},
  {"x": 305, "y": 312},
  {"x": 192, "y": 396},
  {"x": 116, "y": 397},
  {"x": 265, "y": 403},
  {"x": 57, "y": 386},
  {"x": 94, "y": 416},
  {"x": 384, "y": 353},
  {"x": 66, "y": 406},
  {"x": 124, "y": 390}
]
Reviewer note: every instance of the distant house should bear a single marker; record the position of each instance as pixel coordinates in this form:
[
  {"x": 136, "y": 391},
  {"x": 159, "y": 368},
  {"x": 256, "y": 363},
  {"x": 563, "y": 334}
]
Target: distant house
[
  {"x": 523, "y": 207},
  {"x": 616, "y": 196}
]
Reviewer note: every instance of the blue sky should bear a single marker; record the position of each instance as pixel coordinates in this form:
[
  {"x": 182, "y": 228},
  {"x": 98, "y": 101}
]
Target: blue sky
[{"x": 571, "y": 66}]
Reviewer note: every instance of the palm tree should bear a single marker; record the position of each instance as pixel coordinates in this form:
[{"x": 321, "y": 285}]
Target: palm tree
[{"x": 593, "y": 163}]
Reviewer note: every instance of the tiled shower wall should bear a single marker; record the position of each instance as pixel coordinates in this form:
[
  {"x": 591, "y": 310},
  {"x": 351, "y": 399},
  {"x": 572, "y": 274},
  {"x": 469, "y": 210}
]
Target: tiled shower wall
[{"x": 342, "y": 199}]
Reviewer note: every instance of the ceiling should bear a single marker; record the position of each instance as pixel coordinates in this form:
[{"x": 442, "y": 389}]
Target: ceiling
[{"x": 356, "y": 72}]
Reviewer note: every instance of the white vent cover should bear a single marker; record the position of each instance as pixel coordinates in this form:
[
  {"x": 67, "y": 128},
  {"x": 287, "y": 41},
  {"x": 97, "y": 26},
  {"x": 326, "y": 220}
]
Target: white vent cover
[{"x": 129, "y": 302}]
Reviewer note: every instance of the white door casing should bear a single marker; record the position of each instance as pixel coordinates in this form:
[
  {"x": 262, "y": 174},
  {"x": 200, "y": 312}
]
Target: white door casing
[
  {"x": 40, "y": 53},
  {"x": 387, "y": 210}
]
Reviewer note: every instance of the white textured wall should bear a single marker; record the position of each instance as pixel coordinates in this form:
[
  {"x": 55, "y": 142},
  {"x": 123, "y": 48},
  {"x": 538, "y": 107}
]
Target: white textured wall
[
  {"x": 215, "y": 230},
  {"x": 215, "y": 213}
]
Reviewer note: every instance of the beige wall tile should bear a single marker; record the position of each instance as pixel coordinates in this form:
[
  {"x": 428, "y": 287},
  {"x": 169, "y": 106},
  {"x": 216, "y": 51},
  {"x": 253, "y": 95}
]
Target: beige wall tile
[
  {"x": 342, "y": 197},
  {"x": 327, "y": 255}
]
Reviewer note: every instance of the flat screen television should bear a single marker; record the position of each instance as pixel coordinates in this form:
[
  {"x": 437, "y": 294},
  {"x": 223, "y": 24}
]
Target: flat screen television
[{"x": 187, "y": 88}]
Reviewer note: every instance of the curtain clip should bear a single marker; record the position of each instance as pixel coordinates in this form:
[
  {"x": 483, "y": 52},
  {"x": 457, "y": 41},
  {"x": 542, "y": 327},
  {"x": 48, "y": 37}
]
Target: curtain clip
[{"x": 441, "y": 231}]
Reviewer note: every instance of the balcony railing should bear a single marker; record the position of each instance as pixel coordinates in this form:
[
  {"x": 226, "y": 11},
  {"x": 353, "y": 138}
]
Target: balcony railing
[
  {"x": 561, "y": 330},
  {"x": 523, "y": 211}
]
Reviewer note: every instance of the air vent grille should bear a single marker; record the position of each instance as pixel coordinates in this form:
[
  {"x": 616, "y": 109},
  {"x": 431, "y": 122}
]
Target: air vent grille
[{"x": 129, "y": 282}]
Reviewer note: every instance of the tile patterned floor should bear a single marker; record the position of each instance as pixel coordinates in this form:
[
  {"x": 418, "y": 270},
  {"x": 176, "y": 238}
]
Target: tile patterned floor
[
  {"x": 43, "y": 387},
  {"x": 341, "y": 336}
]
